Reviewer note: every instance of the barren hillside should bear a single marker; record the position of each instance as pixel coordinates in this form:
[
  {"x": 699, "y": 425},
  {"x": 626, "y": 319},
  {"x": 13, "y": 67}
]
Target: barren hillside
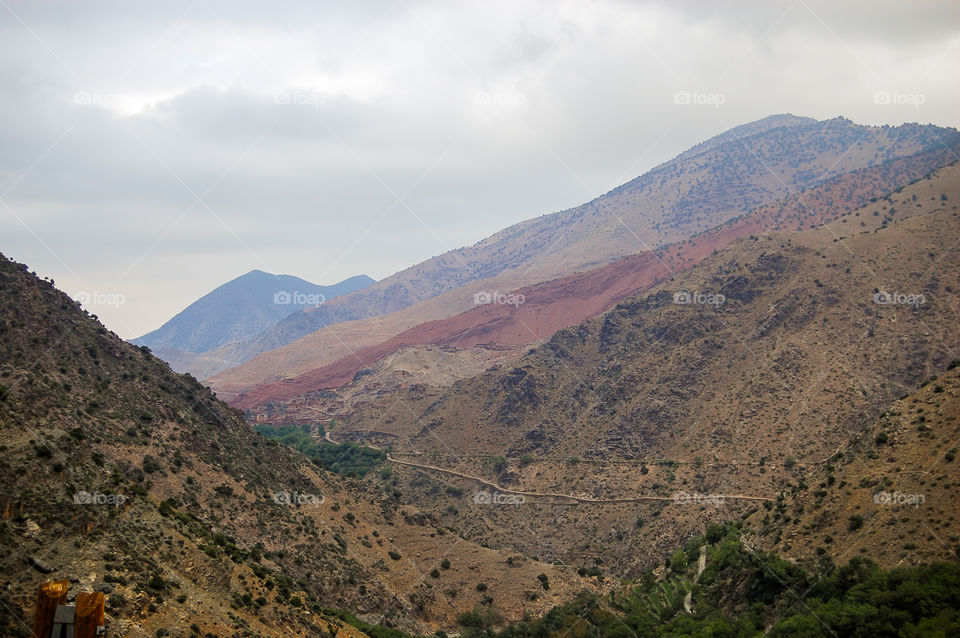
[
  {"x": 549, "y": 306},
  {"x": 123, "y": 476},
  {"x": 889, "y": 495},
  {"x": 730, "y": 175},
  {"x": 705, "y": 397}
]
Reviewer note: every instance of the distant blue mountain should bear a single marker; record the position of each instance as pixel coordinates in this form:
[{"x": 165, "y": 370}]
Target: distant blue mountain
[{"x": 241, "y": 308}]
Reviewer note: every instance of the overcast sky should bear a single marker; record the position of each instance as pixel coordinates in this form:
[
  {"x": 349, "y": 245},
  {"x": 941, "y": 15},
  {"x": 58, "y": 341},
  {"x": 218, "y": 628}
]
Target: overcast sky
[{"x": 150, "y": 151}]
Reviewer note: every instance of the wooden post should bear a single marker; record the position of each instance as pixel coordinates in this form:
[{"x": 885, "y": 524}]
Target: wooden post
[
  {"x": 51, "y": 594},
  {"x": 64, "y": 621},
  {"x": 89, "y": 614}
]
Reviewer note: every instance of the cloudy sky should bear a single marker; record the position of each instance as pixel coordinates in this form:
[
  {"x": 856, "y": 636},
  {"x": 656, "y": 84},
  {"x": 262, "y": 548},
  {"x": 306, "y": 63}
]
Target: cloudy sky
[{"x": 150, "y": 151}]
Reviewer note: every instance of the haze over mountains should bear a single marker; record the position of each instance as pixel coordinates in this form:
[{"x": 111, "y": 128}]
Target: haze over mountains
[
  {"x": 607, "y": 412},
  {"x": 709, "y": 397},
  {"x": 727, "y": 176},
  {"x": 556, "y": 304},
  {"x": 768, "y": 161},
  {"x": 237, "y": 310}
]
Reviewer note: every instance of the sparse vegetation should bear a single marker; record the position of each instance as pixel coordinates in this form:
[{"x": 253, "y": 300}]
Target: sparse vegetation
[
  {"x": 843, "y": 602},
  {"x": 544, "y": 581},
  {"x": 855, "y": 522},
  {"x": 347, "y": 458},
  {"x": 202, "y": 494}
]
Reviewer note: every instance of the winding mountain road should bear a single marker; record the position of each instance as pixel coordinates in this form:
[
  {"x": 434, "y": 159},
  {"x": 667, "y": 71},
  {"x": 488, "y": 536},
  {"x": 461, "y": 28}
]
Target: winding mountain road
[{"x": 556, "y": 495}]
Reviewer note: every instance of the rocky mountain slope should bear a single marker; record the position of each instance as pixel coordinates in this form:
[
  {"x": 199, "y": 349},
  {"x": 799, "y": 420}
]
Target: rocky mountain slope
[
  {"x": 789, "y": 344},
  {"x": 239, "y": 309},
  {"x": 123, "y": 476},
  {"x": 540, "y": 310},
  {"x": 742, "y": 169},
  {"x": 889, "y": 495},
  {"x": 526, "y": 315}
]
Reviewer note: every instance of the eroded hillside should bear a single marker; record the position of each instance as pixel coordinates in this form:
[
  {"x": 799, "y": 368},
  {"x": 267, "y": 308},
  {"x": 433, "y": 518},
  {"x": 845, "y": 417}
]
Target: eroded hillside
[
  {"x": 292, "y": 388},
  {"x": 889, "y": 495},
  {"x": 728, "y": 176},
  {"x": 817, "y": 332},
  {"x": 125, "y": 477}
]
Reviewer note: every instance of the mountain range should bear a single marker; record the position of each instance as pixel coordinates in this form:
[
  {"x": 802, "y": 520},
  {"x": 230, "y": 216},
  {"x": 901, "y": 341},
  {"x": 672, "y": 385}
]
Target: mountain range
[
  {"x": 725, "y": 177},
  {"x": 238, "y": 310},
  {"x": 791, "y": 350},
  {"x": 728, "y": 385},
  {"x": 562, "y": 302},
  {"x": 125, "y": 477}
]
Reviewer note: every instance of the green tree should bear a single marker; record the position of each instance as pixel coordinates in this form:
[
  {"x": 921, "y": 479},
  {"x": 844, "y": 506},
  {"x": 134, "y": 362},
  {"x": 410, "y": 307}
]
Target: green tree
[{"x": 678, "y": 562}]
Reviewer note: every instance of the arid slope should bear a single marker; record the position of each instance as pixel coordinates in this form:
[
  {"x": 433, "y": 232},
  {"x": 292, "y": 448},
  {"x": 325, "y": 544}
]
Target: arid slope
[
  {"x": 797, "y": 358},
  {"x": 562, "y": 302},
  {"x": 124, "y": 476},
  {"x": 746, "y": 167}
]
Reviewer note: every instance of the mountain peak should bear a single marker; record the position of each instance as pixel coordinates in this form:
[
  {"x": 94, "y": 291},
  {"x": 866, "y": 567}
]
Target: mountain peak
[{"x": 242, "y": 307}]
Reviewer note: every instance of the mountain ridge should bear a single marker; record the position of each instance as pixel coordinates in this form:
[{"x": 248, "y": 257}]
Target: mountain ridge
[
  {"x": 124, "y": 477},
  {"x": 697, "y": 397},
  {"x": 506, "y": 325},
  {"x": 241, "y": 307},
  {"x": 677, "y": 199}
]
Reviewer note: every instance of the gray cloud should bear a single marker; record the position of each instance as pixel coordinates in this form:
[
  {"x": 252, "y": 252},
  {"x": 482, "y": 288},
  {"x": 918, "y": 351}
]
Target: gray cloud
[{"x": 300, "y": 125}]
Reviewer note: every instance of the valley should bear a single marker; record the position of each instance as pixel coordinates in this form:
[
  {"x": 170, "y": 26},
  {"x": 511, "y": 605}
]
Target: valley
[
  {"x": 569, "y": 400},
  {"x": 479, "y": 320},
  {"x": 282, "y": 379},
  {"x": 622, "y": 430}
]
